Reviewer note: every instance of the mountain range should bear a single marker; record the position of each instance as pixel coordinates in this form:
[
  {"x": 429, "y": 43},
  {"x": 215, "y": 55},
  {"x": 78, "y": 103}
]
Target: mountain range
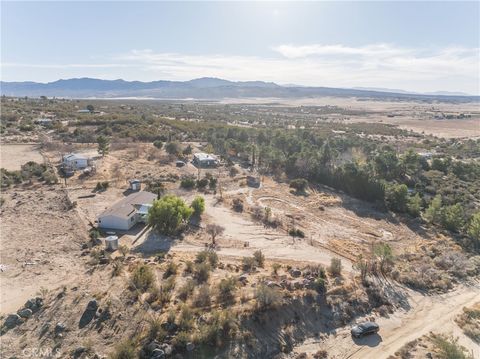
[{"x": 206, "y": 88}]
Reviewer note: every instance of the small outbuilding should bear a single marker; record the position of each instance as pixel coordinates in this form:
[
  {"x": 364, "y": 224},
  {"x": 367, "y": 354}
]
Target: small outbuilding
[
  {"x": 205, "y": 160},
  {"x": 135, "y": 185},
  {"x": 76, "y": 161},
  {"x": 127, "y": 212}
]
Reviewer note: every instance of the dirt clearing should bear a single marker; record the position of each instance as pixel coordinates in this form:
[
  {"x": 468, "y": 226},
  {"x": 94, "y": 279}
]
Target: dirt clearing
[{"x": 12, "y": 156}]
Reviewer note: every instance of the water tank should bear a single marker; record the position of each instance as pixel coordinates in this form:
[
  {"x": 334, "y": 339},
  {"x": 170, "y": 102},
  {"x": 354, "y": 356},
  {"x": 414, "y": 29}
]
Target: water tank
[{"x": 111, "y": 243}]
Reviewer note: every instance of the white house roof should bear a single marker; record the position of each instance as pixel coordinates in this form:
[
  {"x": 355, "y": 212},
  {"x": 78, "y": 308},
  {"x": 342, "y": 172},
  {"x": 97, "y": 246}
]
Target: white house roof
[
  {"x": 205, "y": 157},
  {"x": 128, "y": 205},
  {"x": 74, "y": 157}
]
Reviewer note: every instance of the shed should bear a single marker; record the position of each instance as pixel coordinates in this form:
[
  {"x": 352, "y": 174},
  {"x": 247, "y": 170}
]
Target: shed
[
  {"x": 135, "y": 185},
  {"x": 75, "y": 161},
  {"x": 205, "y": 160}
]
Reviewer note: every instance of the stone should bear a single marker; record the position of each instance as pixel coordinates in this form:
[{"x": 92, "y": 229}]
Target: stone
[
  {"x": 190, "y": 346},
  {"x": 25, "y": 313},
  {"x": 167, "y": 348},
  {"x": 295, "y": 273},
  {"x": 12, "y": 321},
  {"x": 158, "y": 354}
]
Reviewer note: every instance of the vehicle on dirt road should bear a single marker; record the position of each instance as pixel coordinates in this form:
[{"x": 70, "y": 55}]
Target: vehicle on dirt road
[{"x": 364, "y": 328}]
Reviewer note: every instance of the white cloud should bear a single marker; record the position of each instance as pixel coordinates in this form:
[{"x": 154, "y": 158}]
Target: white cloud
[{"x": 337, "y": 65}]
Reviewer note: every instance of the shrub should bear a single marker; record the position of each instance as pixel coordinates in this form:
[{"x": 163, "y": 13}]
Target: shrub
[
  {"x": 155, "y": 330},
  {"x": 259, "y": 258},
  {"x": 296, "y": 233},
  {"x": 188, "y": 267},
  {"x": 202, "y": 272},
  {"x": 186, "y": 290},
  {"x": 125, "y": 350},
  {"x": 299, "y": 184},
  {"x": 202, "y": 297},
  {"x": 335, "y": 267},
  {"x": 202, "y": 183},
  {"x": 117, "y": 267},
  {"x": 102, "y": 186},
  {"x": 187, "y": 183},
  {"x": 453, "y": 217},
  {"x": 276, "y": 267},
  {"x": 143, "y": 278},
  {"x": 226, "y": 289},
  {"x": 448, "y": 348},
  {"x": 267, "y": 297},
  {"x": 170, "y": 270},
  {"x": 186, "y": 318},
  {"x": 237, "y": 205},
  {"x": 207, "y": 257},
  {"x": 158, "y": 144},
  {"x": 180, "y": 341},
  {"x": 198, "y": 205},
  {"x": 248, "y": 264}
]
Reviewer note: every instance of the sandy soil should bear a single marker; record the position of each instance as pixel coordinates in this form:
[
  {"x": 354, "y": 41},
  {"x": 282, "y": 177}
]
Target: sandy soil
[
  {"x": 12, "y": 156},
  {"x": 428, "y": 313},
  {"x": 40, "y": 244}
]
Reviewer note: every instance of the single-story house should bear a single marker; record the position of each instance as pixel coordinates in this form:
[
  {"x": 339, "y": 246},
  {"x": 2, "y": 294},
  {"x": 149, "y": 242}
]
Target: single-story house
[
  {"x": 75, "y": 161},
  {"x": 127, "y": 212},
  {"x": 204, "y": 160}
]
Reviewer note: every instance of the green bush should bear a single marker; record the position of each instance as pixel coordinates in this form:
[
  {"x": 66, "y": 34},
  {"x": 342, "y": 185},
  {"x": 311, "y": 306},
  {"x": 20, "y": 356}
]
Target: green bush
[
  {"x": 226, "y": 289},
  {"x": 299, "y": 184},
  {"x": 158, "y": 144},
  {"x": 202, "y": 272},
  {"x": 295, "y": 232},
  {"x": 102, "y": 186},
  {"x": 187, "y": 183},
  {"x": 186, "y": 290},
  {"x": 207, "y": 257},
  {"x": 259, "y": 258},
  {"x": 142, "y": 278},
  {"x": 198, "y": 205}
]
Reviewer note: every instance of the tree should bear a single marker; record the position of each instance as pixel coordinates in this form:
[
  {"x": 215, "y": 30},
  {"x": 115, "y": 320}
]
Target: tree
[
  {"x": 172, "y": 148},
  {"x": 214, "y": 230},
  {"x": 414, "y": 205},
  {"x": 361, "y": 265},
  {"x": 386, "y": 163},
  {"x": 187, "y": 151},
  {"x": 90, "y": 108},
  {"x": 396, "y": 197},
  {"x": 473, "y": 230},
  {"x": 198, "y": 205},
  {"x": 453, "y": 217},
  {"x": 384, "y": 253},
  {"x": 168, "y": 213},
  {"x": 103, "y": 145},
  {"x": 433, "y": 213}
]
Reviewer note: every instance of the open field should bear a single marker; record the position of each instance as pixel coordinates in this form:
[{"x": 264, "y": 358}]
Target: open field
[{"x": 12, "y": 156}]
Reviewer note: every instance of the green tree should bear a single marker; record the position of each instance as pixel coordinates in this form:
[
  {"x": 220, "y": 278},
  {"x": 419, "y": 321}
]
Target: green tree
[
  {"x": 103, "y": 145},
  {"x": 414, "y": 205},
  {"x": 168, "y": 213},
  {"x": 90, "y": 108},
  {"x": 386, "y": 163},
  {"x": 396, "y": 197},
  {"x": 172, "y": 148},
  {"x": 453, "y": 217},
  {"x": 473, "y": 230},
  {"x": 187, "y": 151},
  {"x": 433, "y": 213},
  {"x": 384, "y": 253},
  {"x": 158, "y": 144},
  {"x": 198, "y": 205}
]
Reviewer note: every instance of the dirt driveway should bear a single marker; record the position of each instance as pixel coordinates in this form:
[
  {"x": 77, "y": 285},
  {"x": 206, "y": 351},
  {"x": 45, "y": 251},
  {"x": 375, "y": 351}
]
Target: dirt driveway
[{"x": 428, "y": 313}]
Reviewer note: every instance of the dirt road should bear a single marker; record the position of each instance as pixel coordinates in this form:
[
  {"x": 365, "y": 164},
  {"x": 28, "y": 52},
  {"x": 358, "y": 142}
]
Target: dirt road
[{"x": 428, "y": 313}]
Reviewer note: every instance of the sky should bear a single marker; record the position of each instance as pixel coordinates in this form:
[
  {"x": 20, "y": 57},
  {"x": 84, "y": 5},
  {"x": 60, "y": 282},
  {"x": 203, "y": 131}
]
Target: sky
[{"x": 414, "y": 46}]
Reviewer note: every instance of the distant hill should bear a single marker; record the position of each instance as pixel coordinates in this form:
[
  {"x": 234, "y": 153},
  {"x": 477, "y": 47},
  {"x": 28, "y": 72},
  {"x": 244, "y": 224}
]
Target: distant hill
[{"x": 202, "y": 88}]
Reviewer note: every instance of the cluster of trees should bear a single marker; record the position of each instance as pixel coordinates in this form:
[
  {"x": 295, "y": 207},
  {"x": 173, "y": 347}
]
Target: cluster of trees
[{"x": 29, "y": 171}]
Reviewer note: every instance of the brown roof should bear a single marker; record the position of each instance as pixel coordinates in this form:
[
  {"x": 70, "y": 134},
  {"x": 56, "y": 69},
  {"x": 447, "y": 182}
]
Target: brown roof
[{"x": 126, "y": 206}]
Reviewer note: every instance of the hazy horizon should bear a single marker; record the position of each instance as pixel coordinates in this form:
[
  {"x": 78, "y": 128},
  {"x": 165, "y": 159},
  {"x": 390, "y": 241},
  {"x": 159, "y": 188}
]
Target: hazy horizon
[{"x": 413, "y": 46}]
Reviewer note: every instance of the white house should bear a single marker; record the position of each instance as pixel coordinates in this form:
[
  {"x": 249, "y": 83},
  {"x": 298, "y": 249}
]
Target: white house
[
  {"x": 204, "y": 160},
  {"x": 75, "y": 161},
  {"x": 127, "y": 212}
]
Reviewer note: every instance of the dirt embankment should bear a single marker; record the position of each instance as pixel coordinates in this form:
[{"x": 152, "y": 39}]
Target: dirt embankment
[{"x": 41, "y": 238}]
